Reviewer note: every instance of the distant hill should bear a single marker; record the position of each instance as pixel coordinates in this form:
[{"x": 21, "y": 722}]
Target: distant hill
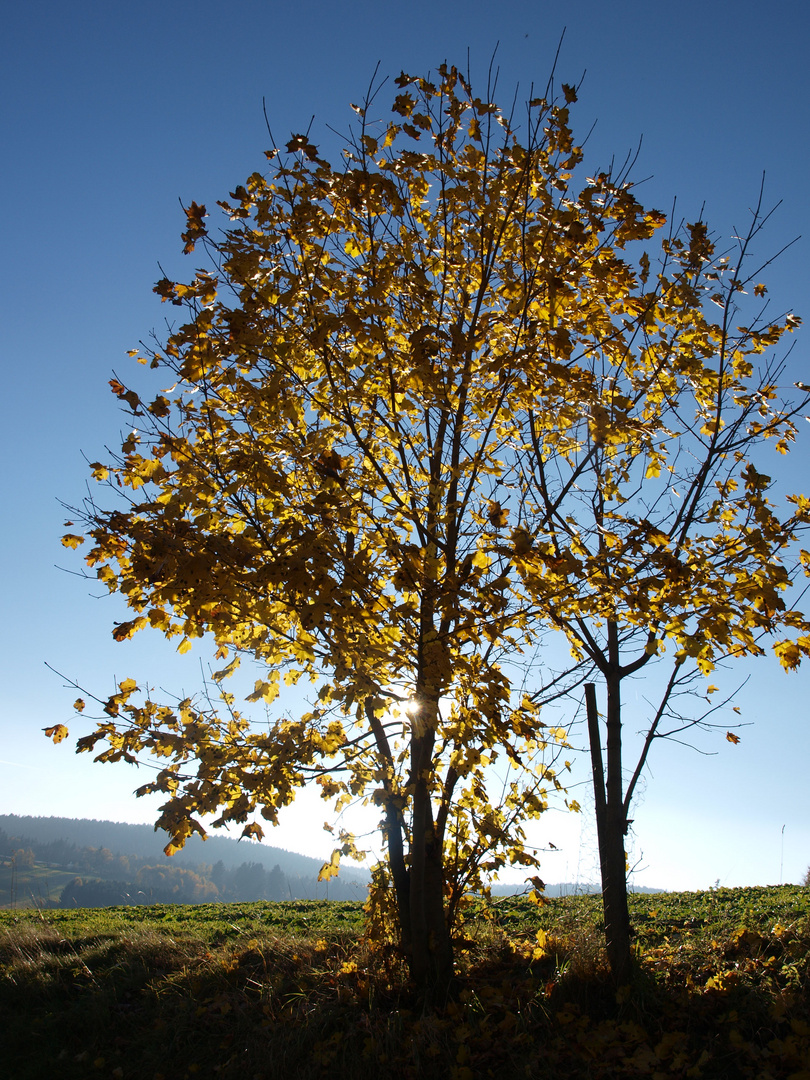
[
  {"x": 142, "y": 840},
  {"x": 226, "y": 855}
]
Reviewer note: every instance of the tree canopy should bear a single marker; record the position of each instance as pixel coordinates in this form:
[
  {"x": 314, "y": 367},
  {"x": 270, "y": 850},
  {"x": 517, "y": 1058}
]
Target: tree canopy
[
  {"x": 412, "y": 393},
  {"x": 671, "y": 547}
]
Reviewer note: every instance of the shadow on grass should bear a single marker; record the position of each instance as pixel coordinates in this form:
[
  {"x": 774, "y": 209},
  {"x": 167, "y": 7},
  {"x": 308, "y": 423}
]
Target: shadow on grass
[{"x": 142, "y": 1003}]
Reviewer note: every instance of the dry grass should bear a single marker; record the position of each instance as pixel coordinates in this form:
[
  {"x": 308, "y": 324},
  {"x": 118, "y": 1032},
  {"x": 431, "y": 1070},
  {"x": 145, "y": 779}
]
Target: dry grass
[{"x": 160, "y": 996}]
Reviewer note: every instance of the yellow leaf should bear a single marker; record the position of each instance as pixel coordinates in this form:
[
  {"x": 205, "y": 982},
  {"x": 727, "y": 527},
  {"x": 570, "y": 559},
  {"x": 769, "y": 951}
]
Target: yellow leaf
[
  {"x": 330, "y": 869},
  {"x": 497, "y": 514},
  {"x": 70, "y": 540},
  {"x": 58, "y": 732},
  {"x": 732, "y": 738},
  {"x": 521, "y": 541},
  {"x": 127, "y": 629},
  {"x": 789, "y": 654}
]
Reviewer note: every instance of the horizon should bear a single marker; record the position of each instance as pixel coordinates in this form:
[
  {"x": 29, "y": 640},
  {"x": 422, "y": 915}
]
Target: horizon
[
  {"x": 113, "y": 115},
  {"x": 552, "y": 888}
]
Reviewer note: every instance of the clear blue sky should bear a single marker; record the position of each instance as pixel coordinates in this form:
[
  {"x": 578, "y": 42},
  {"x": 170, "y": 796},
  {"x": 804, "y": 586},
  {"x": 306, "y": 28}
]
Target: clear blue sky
[{"x": 112, "y": 112}]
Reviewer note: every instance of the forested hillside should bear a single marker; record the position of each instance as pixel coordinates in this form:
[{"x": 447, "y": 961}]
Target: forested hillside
[
  {"x": 74, "y": 862},
  {"x": 56, "y": 862}
]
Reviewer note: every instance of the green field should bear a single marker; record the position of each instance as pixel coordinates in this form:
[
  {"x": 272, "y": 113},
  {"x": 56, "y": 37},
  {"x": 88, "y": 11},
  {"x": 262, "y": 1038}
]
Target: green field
[
  {"x": 265, "y": 990},
  {"x": 31, "y": 886}
]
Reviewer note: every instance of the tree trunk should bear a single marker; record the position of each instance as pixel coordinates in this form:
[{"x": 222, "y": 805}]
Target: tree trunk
[
  {"x": 614, "y": 896},
  {"x": 394, "y": 834},
  {"x": 431, "y": 950},
  {"x": 611, "y": 826}
]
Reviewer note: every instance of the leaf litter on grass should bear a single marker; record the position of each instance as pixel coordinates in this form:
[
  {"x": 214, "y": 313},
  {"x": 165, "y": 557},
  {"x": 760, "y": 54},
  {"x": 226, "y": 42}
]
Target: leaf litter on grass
[{"x": 292, "y": 990}]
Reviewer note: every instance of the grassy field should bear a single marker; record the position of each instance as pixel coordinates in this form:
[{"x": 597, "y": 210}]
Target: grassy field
[
  {"x": 31, "y": 886},
  {"x": 290, "y": 990}
]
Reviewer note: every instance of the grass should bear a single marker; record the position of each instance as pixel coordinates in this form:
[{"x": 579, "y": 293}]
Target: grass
[
  {"x": 290, "y": 990},
  {"x": 31, "y": 886}
]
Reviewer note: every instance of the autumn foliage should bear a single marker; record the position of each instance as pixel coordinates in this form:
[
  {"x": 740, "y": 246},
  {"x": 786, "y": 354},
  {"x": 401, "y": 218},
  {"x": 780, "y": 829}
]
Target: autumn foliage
[{"x": 415, "y": 397}]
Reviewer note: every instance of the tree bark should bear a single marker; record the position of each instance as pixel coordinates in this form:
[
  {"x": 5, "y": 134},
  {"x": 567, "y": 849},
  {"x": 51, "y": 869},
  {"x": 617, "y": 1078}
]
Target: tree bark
[
  {"x": 393, "y": 833},
  {"x": 431, "y": 950},
  {"x": 611, "y": 826},
  {"x": 431, "y": 956}
]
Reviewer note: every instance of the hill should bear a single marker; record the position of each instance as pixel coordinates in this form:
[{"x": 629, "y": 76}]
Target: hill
[
  {"x": 120, "y": 854},
  {"x": 69, "y": 862},
  {"x": 142, "y": 841}
]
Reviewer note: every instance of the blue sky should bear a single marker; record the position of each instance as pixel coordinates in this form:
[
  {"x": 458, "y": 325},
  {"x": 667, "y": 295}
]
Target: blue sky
[{"x": 113, "y": 112}]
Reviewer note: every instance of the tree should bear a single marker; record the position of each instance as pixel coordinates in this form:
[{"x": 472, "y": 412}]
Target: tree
[
  {"x": 320, "y": 490},
  {"x": 659, "y": 542},
  {"x": 276, "y": 884},
  {"x": 219, "y": 875},
  {"x": 349, "y": 482},
  {"x": 249, "y": 882},
  {"x": 173, "y": 884}
]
